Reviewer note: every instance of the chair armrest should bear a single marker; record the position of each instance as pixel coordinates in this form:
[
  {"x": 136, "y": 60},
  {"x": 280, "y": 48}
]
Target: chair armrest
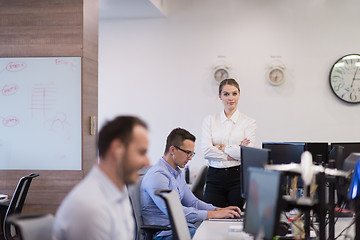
[
  {"x": 5, "y": 204},
  {"x": 150, "y": 230},
  {"x": 154, "y": 228}
]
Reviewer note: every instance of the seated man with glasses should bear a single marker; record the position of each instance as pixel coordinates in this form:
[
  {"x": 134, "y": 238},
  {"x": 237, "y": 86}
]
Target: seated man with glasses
[{"x": 166, "y": 174}]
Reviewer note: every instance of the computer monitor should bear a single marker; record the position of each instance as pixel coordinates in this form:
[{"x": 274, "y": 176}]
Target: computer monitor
[
  {"x": 251, "y": 157},
  {"x": 319, "y": 151},
  {"x": 354, "y": 194},
  {"x": 349, "y": 147},
  {"x": 354, "y": 189},
  {"x": 263, "y": 206},
  {"x": 350, "y": 161},
  {"x": 337, "y": 154},
  {"x": 284, "y": 153},
  {"x": 342, "y": 185}
]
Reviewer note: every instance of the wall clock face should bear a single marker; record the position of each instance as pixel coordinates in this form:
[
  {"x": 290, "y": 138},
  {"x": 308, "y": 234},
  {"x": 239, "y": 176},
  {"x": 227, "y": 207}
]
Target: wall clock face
[
  {"x": 276, "y": 76},
  {"x": 345, "y": 78},
  {"x": 221, "y": 74}
]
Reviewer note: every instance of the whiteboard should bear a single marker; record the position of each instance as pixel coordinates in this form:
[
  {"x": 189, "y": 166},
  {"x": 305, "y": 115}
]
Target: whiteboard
[{"x": 40, "y": 113}]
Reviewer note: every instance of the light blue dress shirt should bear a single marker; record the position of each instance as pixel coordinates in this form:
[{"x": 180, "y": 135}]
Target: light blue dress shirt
[{"x": 163, "y": 176}]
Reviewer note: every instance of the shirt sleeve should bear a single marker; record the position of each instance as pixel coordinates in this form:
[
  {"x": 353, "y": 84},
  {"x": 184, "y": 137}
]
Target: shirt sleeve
[
  {"x": 210, "y": 152},
  {"x": 250, "y": 131},
  {"x": 191, "y": 200},
  {"x": 157, "y": 180},
  {"x": 194, "y": 209}
]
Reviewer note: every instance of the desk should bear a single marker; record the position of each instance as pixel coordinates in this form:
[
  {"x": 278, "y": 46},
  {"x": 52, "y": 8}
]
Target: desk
[{"x": 218, "y": 230}]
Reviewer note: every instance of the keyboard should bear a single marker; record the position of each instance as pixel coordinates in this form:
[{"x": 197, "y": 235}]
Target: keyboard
[{"x": 226, "y": 219}]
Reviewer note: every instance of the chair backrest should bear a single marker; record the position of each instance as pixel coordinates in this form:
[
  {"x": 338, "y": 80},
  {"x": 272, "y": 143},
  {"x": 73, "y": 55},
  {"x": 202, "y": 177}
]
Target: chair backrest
[
  {"x": 197, "y": 187},
  {"x": 176, "y": 215},
  {"x": 134, "y": 195},
  {"x": 32, "y": 227},
  {"x": 17, "y": 202}
]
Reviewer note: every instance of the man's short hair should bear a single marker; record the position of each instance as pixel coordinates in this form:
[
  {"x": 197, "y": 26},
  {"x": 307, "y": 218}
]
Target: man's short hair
[
  {"x": 177, "y": 137},
  {"x": 120, "y": 128}
]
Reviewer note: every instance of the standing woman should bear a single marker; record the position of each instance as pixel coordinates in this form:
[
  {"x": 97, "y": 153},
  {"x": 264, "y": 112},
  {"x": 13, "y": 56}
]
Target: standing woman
[{"x": 222, "y": 135}]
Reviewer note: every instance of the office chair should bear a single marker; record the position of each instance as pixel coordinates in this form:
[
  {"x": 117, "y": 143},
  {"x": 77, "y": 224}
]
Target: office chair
[
  {"x": 17, "y": 203},
  {"x": 3, "y": 208},
  {"x": 198, "y": 186},
  {"x": 176, "y": 215},
  {"x": 143, "y": 231},
  {"x": 32, "y": 227}
]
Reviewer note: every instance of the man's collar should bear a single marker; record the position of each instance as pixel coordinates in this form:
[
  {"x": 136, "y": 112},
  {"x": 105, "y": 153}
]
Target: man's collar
[
  {"x": 174, "y": 172},
  {"x": 110, "y": 190}
]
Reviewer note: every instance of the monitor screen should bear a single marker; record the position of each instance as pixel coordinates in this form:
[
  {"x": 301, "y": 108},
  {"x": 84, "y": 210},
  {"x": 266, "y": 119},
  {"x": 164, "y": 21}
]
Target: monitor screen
[
  {"x": 349, "y": 147},
  {"x": 319, "y": 151},
  {"x": 263, "y": 204},
  {"x": 337, "y": 154},
  {"x": 284, "y": 153},
  {"x": 251, "y": 157},
  {"x": 350, "y": 161}
]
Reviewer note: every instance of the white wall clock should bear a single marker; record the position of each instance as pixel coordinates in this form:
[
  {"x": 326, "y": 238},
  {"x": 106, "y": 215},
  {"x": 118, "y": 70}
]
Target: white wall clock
[
  {"x": 221, "y": 72},
  {"x": 344, "y": 78},
  {"x": 276, "y": 73}
]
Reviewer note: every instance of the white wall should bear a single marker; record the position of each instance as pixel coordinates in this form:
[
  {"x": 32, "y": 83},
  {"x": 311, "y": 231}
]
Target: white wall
[{"x": 161, "y": 69}]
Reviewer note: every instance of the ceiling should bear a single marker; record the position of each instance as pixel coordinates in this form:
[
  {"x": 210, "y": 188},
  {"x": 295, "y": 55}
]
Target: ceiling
[{"x": 129, "y": 9}]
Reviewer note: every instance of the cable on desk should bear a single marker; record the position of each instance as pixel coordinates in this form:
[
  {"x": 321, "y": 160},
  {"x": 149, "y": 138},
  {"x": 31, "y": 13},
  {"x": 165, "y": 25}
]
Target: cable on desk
[
  {"x": 352, "y": 223},
  {"x": 341, "y": 208},
  {"x": 316, "y": 230}
]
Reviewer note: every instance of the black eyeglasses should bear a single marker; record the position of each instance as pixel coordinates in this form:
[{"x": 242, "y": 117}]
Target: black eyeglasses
[{"x": 188, "y": 153}]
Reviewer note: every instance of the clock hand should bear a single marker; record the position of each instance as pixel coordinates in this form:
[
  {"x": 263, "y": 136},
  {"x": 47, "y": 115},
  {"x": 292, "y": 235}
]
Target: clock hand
[{"x": 357, "y": 68}]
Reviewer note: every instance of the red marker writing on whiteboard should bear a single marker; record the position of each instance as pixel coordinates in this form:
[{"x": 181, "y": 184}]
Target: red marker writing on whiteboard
[
  {"x": 10, "y": 121},
  {"x": 15, "y": 66},
  {"x": 8, "y": 90}
]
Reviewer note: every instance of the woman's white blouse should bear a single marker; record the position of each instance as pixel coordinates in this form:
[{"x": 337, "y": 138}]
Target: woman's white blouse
[{"x": 218, "y": 129}]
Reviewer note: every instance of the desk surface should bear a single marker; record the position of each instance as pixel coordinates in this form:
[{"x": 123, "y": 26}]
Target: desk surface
[{"x": 218, "y": 230}]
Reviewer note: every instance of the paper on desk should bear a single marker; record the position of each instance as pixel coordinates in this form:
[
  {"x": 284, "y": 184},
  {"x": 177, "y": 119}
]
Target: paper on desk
[{"x": 235, "y": 228}]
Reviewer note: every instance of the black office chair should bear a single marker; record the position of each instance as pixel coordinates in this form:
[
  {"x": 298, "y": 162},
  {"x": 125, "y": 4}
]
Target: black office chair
[
  {"x": 143, "y": 231},
  {"x": 176, "y": 214},
  {"x": 4, "y": 205},
  {"x": 32, "y": 227},
  {"x": 17, "y": 203},
  {"x": 198, "y": 185}
]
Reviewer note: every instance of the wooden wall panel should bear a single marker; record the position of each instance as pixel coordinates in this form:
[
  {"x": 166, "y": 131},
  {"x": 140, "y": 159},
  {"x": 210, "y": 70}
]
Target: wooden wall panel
[
  {"x": 51, "y": 28},
  {"x": 31, "y": 28},
  {"x": 90, "y": 73}
]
